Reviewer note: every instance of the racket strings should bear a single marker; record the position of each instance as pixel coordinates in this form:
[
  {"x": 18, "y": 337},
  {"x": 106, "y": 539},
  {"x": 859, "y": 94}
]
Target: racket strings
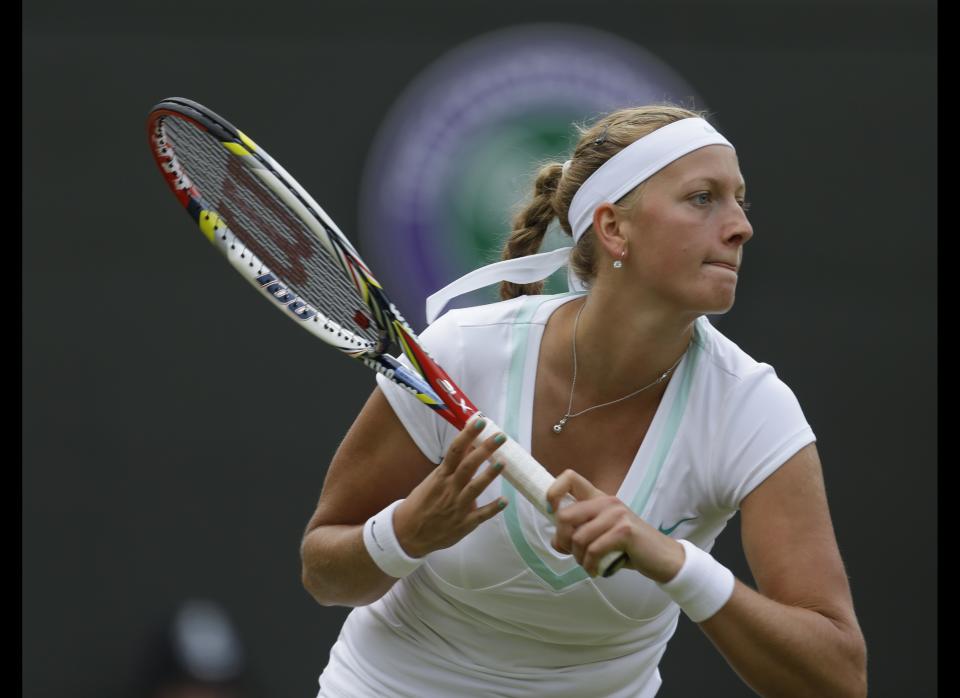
[{"x": 266, "y": 229}]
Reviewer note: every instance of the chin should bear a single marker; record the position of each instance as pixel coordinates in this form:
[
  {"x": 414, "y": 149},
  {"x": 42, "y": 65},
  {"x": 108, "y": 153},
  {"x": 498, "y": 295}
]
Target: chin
[
  {"x": 718, "y": 307},
  {"x": 706, "y": 299}
]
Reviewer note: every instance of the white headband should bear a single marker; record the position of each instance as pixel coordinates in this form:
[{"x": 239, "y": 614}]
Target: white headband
[
  {"x": 608, "y": 184},
  {"x": 636, "y": 163}
]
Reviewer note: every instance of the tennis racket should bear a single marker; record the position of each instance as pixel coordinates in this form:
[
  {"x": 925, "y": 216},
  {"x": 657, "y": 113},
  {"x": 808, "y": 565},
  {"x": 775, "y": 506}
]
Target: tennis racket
[{"x": 273, "y": 232}]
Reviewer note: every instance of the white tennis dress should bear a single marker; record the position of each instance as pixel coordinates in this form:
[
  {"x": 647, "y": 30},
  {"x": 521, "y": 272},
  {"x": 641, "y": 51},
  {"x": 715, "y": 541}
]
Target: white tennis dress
[{"x": 501, "y": 613}]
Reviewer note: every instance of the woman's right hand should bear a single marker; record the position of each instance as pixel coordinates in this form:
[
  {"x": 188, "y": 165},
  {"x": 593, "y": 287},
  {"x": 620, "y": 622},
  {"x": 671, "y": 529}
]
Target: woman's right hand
[{"x": 442, "y": 509}]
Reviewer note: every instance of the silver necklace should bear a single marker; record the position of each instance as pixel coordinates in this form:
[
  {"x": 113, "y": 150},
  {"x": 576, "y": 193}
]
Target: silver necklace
[{"x": 558, "y": 427}]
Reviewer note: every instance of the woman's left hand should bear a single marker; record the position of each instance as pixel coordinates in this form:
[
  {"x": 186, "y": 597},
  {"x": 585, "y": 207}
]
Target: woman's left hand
[{"x": 598, "y": 523}]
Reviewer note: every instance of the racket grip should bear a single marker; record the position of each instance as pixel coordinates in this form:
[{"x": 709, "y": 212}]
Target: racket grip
[{"x": 532, "y": 480}]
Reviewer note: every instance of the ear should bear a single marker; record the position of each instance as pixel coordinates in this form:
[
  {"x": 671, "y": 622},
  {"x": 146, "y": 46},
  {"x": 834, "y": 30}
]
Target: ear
[{"x": 607, "y": 229}]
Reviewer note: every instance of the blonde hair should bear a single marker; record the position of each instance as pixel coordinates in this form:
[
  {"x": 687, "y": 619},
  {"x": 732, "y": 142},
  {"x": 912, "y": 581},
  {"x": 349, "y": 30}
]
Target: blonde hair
[{"x": 553, "y": 190}]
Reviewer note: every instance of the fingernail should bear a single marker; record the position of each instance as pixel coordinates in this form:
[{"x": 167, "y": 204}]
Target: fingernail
[
  {"x": 498, "y": 466},
  {"x": 549, "y": 508},
  {"x": 499, "y": 439},
  {"x": 502, "y": 505},
  {"x": 480, "y": 424}
]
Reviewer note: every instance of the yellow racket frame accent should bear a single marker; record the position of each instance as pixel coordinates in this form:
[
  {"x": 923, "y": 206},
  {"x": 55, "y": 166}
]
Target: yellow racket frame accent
[{"x": 210, "y": 223}]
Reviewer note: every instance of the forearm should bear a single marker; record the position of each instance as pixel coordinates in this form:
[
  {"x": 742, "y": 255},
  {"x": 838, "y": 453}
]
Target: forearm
[
  {"x": 338, "y": 570},
  {"x": 781, "y": 650}
]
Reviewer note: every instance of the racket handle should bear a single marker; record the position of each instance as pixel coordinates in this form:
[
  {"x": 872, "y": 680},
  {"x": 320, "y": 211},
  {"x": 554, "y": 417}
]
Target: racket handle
[{"x": 532, "y": 480}]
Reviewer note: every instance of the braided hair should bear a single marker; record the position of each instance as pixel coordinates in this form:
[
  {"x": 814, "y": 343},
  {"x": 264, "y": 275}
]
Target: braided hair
[{"x": 554, "y": 189}]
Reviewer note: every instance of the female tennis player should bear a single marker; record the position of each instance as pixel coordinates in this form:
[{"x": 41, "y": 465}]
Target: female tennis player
[{"x": 659, "y": 426}]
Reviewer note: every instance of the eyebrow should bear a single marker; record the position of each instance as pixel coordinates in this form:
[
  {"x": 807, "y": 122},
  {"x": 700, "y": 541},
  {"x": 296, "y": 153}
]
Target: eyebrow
[{"x": 713, "y": 181}]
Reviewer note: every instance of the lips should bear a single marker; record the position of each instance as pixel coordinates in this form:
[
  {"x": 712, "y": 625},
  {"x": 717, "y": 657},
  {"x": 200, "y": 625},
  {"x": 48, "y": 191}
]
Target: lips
[{"x": 725, "y": 265}]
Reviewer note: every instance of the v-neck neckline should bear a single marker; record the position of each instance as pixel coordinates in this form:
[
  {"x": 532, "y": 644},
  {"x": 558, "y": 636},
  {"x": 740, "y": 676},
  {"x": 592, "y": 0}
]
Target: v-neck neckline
[
  {"x": 525, "y": 422},
  {"x": 529, "y": 531}
]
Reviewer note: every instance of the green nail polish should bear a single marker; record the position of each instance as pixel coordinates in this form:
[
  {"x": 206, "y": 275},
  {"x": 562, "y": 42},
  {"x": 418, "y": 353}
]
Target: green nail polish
[
  {"x": 498, "y": 466},
  {"x": 480, "y": 424},
  {"x": 499, "y": 438},
  {"x": 502, "y": 505},
  {"x": 549, "y": 508}
]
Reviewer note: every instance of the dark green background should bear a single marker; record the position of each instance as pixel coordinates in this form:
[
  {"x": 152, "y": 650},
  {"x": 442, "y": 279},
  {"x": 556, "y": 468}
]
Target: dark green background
[{"x": 176, "y": 429}]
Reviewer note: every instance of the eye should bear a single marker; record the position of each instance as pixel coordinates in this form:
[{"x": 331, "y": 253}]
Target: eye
[
  {"x": 704, "y": 197},
  {"x": 701, "y": 198}
]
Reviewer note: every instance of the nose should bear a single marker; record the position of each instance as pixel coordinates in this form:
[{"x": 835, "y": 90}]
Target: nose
[{"x": 739, "y": 229}]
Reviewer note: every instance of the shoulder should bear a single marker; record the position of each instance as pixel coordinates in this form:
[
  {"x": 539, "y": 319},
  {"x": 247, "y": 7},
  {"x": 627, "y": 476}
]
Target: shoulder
[
  {"x": 754, "y": 420},
  {"x": 503, "y": 312},
  {"x": 721, "y": 354},
  {"x": 481, "y": 341},
  {"x": 446, "y": 332},
  {"x": 728, "y": 369}
]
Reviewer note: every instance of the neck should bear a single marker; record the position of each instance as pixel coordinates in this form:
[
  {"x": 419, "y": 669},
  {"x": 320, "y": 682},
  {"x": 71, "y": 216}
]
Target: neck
[{"x": 622, "y": 346}]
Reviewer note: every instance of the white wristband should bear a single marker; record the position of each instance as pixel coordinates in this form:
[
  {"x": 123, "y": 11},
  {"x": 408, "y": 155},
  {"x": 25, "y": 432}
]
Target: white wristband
[
  {"x": 382, "y": 544},
  {"x": 702, "y": 586}
]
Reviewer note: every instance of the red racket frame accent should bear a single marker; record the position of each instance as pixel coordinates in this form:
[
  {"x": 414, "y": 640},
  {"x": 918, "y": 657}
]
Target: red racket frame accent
[
  {"x": 459, "y": 408},
  {"x": 183, "y": 195}
]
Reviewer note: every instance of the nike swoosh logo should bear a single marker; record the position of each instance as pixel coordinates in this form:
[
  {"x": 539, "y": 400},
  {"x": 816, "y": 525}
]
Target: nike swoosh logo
[
  {"x": 373, "y": 534},
  {"x": 668, "y": 531}
]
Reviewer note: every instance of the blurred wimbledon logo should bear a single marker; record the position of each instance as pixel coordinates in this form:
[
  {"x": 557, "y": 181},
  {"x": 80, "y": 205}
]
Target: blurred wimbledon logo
[{"x": 456, "y": 154}]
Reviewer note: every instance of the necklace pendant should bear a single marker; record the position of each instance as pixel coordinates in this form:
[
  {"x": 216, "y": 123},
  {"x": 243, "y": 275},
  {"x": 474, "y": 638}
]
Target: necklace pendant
[{"x": 558, "y": 427}]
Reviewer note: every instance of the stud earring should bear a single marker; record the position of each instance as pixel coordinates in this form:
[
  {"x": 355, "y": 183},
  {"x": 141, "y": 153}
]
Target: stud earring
[{"x": 619, "y": 262}]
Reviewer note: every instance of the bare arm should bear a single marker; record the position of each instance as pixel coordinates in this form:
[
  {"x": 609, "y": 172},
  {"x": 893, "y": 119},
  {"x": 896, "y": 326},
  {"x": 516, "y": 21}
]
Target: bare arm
[
  {"x": 377, "y": 464},
  {"x": 798, "y": 634}
]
